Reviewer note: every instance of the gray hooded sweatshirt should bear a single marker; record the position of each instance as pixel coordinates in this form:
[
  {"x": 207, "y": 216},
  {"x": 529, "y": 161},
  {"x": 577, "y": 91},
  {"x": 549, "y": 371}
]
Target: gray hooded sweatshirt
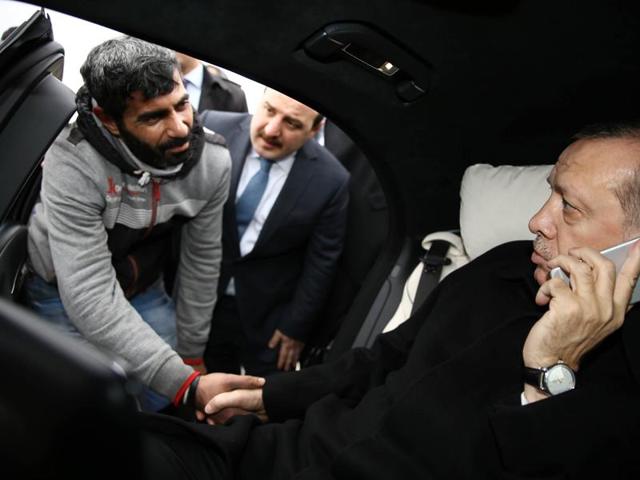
[{"x": 90, "y": 208}]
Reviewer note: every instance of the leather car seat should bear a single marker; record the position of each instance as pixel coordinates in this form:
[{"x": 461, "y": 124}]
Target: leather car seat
[{"x": 496, "y": 204}]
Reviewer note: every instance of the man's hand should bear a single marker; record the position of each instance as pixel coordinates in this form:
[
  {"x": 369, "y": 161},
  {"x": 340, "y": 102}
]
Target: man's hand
[
  {"x": 238, "y": 402},
  {"x": 581, "y": 315},
  {"x": 216, "y": 383},
  {"x": 290, "y": 350}
]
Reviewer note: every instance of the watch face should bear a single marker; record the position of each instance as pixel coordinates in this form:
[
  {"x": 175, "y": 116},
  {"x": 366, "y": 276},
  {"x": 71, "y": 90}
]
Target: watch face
[{"x": 559, "y": 379}]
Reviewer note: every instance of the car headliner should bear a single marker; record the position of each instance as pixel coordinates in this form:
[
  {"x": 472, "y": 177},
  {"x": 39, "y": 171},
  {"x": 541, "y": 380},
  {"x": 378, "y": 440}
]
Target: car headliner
[{"x": 510, "y": 81}]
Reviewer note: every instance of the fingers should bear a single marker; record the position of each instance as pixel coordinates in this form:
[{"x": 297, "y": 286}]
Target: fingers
[
  {"x": 233, "y": 382},
  {"x": 550, "y": 289},
  {"x": 282, "y": 356},
  {"x": 627, "y": 277},
  {"x": 276, "y": 338},
  {"x": 290, "y": 350},
  {"x": 603, "y": 270},
  {"x": 609, "y": 283},
  {"x": 239, "y": 399},
  {"x": 294, "y": 355},
  {"x": 580, "y": 270},
  {"x": 292, "y": 359}
]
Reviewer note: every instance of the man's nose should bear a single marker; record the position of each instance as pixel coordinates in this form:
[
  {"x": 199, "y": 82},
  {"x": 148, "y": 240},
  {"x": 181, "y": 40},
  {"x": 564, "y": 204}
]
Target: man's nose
[
  {"x": 542, "y": 222},
  {"x": 177, "y": 126},
  {"x": 273, "y": 126}
]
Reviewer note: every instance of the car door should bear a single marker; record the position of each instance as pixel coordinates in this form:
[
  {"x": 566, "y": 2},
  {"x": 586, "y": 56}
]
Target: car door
[
  {"x": 34, "y": 107},
  {"x": 86, "y": 409}
]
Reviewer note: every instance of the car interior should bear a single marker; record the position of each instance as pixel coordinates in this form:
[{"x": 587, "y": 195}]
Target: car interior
[{"x": 459, "y": 108}]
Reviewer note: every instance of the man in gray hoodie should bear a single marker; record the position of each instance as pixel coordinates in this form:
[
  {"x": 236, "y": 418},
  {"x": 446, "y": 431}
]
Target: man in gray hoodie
[{"x": 116, "y": 185}]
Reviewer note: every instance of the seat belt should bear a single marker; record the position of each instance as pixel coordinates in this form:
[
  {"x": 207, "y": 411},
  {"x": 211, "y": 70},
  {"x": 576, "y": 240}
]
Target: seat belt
[{"x": 433, "y": 260}]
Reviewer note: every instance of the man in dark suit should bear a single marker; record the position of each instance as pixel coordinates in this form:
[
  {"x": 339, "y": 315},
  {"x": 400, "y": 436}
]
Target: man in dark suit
[
  {"x": 483, "y": 380},
  {"x": 208, "y": 88},
  {"x": 279, "y": 252}
]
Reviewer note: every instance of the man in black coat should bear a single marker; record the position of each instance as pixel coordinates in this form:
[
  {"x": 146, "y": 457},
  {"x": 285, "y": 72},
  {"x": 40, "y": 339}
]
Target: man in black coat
[
  {"x": 502, "y": 373},
  {"x": 213, "y": 90},
  {"x": 279, "y": 258}
]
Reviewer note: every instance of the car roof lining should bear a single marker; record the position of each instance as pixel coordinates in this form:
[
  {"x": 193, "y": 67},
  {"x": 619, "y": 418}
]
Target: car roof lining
[{"x": 511, "y": 81}]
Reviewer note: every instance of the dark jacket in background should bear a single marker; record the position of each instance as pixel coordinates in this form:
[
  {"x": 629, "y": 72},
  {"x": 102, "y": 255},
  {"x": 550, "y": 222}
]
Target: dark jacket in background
[{"x": 220, "y": 93}]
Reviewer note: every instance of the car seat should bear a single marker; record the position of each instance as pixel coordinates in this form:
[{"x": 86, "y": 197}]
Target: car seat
[
  {"x": 13, "y": 255},
  {"x": 496, "y": 204}
]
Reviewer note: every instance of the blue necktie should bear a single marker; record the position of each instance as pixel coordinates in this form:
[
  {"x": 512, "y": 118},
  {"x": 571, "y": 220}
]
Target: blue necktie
[{"x": 248, "y": 202}]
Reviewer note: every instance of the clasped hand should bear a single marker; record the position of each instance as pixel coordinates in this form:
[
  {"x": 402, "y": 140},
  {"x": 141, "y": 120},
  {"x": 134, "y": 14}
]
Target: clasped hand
[
  {"x": 222, "y": 395},
  {"x": 583, "y": 313}
]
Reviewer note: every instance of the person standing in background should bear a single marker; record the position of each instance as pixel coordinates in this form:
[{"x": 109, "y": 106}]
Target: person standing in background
[
  {"x": 283, "y": 232},
  {"x": 208, "y": 90}
]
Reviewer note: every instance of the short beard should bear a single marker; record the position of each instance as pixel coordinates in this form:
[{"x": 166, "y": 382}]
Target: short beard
[{"x": 156, "y": 156}]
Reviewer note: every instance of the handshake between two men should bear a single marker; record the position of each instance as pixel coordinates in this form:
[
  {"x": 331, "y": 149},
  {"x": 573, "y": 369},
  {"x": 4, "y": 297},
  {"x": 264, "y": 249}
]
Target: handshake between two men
[{"x": 220, "y": 396}]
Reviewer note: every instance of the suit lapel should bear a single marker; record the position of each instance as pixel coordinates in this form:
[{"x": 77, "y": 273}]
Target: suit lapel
[
  {"x": 301, "y": 173},
  {"x": 239, "y": 144}
]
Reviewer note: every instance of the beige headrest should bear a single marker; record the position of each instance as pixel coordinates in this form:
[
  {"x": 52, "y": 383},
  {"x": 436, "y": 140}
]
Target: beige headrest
[{"x": 497, "y": 203}]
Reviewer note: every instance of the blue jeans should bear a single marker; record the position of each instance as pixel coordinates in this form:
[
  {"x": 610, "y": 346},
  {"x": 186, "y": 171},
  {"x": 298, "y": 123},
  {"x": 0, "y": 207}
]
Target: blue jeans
[{"x": 155, "y": 307}]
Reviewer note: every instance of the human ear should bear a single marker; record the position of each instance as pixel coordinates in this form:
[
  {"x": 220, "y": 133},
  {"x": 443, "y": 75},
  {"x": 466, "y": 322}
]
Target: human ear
[
  {"x": 315, "y": 129},
  {"x": 107, "y": 120}
]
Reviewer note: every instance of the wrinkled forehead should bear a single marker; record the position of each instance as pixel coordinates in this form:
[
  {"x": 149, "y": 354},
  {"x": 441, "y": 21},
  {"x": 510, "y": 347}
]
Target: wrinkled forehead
[{"x": 605, "y": 161}]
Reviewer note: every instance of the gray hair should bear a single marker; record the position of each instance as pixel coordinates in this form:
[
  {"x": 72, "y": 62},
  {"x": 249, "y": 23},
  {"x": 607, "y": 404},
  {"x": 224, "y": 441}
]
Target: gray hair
[
  {"x": 118, "y": 67},
  {"x": 628, "y": 192}
]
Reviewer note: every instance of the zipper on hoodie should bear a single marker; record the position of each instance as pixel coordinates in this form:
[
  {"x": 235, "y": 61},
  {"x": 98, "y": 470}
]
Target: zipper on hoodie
[{"x": 155, "y": 200}]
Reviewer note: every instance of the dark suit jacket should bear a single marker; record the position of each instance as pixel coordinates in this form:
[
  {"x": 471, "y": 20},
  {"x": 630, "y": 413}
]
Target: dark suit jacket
[
  {"x": 284, "y": 281},
  {"x": 438, "y": 398},
  {"x": 221, "y": 94}
]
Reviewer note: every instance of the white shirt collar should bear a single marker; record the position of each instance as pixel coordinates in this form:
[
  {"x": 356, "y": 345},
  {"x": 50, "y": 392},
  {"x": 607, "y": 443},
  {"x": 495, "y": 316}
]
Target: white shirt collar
[
  {"x": 283, "y": 164},
  {"x": 195, "y": 76}
]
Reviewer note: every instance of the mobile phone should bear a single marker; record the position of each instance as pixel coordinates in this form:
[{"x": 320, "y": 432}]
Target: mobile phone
[{"x": 617, "y": 254}]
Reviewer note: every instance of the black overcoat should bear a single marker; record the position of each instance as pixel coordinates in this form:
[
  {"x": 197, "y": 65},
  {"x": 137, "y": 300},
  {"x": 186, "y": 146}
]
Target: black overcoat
[{"x": 439, "y": 397}]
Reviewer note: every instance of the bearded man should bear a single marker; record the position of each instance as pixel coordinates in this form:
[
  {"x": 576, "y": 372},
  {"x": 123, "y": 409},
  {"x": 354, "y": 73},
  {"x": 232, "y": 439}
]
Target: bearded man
[{"x": 135, "y": 166}]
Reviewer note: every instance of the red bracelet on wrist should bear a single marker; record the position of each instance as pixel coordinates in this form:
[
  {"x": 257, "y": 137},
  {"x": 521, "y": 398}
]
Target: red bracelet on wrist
[
  {"x": 193, "y": 361},
  {"x": 178, "y": 398}
]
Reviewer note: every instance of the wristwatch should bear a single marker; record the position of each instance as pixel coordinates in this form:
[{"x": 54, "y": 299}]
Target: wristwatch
[{"x": 558, "y": 378}]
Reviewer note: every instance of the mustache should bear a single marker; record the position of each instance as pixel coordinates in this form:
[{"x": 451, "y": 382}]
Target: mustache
[
  {"x": 174, "y": 143},
  {"x": 541, "y": 248},
  {"x": 271, "y": 140}
]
